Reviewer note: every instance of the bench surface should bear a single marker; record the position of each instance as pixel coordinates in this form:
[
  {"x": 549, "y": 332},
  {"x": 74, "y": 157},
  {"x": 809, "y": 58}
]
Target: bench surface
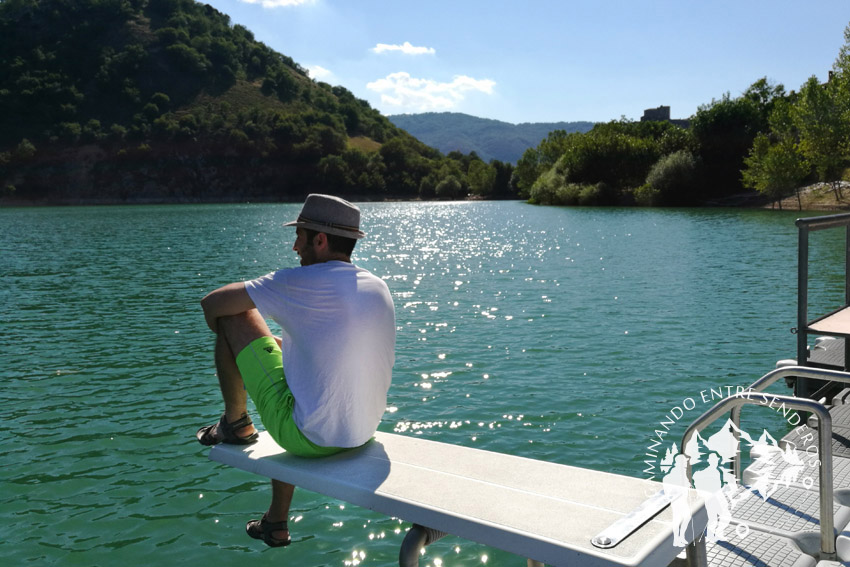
[{"x": 535, "y": 509}]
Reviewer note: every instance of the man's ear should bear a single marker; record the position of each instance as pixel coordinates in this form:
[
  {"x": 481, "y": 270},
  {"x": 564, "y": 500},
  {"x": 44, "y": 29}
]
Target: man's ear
[{"x": 320, "y": 242}]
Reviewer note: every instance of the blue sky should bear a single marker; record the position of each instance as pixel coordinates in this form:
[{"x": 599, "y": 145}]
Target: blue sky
[{"x": 549, "y": 60}]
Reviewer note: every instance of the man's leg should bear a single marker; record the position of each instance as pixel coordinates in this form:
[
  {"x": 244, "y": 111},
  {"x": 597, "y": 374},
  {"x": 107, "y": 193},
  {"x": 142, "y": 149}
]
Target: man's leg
[
  {"x": 232, "y": 388},
  {"x": 279, "y": 509},
  {"x": 235, "y": 333}
]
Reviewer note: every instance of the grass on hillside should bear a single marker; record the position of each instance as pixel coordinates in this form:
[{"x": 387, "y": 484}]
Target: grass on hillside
[
  {"x": 364, "y": 144},
  {"x": 242, "y": 96}
]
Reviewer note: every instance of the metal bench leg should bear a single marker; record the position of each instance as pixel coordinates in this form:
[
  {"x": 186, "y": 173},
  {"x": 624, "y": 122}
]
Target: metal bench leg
[
  {"x": 415, "y": 540},
  {"x": 696, "y": 554}
]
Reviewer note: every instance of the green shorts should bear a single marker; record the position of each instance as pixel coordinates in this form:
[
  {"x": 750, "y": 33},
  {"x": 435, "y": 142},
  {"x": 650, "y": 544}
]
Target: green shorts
[{"x": 261, "y": 366}]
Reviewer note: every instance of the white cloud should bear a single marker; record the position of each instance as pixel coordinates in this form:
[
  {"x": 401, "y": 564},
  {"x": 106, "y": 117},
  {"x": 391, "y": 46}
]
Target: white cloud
[
  {"x": 406, "y": 48},
  {"x": 278, "y": 3},
  {"x": 319, "y": 73},
  {"x": 422, "y": 95}
]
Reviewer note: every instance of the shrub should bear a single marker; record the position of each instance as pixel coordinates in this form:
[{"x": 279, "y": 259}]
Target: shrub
[
  {"x": 24, "y": 150},
  {"x": 151, "y": 111},
  {"x": 70, "y": 131},
  {"x": 92, "y": 131},
  {"x": 646, "y": 195},
  {"x": 568, "y": 195},
  {"x": 187, "y": 59},
  {"x": 428, "y": 187},
  {"x": 161, "y": 100},
  {"x": 449, "y": 188},
  {"x": 544, "y": 191},
  {"x": 673, "y": 178},
  {"x": 118, "y": 131},
  {"x": 590, "y": 195}
]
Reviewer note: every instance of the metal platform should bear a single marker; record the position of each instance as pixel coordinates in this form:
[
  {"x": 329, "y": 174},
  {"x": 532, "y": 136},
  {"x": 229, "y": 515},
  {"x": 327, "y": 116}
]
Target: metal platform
[
  {"x": 808, "y": 478},
  {"x": 757, "y": 550},
  {"x": 800, "y": 438},
  {"x": 789, "y": 512},
  {"x": 828, "y": 353}
]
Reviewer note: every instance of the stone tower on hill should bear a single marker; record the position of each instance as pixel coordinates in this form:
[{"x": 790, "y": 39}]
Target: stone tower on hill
[{"x": 662, "y": 114}]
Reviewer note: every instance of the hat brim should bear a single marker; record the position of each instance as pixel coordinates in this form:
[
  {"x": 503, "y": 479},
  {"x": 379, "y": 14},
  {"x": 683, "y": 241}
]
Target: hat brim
[{"x": 355, "y": 234}]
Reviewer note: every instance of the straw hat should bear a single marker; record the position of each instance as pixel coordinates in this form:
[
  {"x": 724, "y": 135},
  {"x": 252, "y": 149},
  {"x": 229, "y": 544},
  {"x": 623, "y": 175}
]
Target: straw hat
[{"x": 331, "y": 215}]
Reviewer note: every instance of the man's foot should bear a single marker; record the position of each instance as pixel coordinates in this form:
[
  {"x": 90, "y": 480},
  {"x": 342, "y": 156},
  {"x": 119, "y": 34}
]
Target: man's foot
[
  {"x": 240, "y": 432},
  {"x": 274, "y": 534}
]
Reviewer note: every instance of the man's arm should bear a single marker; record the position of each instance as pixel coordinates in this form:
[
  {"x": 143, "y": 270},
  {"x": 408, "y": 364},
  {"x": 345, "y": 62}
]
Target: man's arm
[{"x": 231, "y": 299}]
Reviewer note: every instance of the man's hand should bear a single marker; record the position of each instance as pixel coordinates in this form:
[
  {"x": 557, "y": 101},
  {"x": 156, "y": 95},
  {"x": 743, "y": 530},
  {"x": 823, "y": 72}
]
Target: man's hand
[{"x": 231, "y": 299}]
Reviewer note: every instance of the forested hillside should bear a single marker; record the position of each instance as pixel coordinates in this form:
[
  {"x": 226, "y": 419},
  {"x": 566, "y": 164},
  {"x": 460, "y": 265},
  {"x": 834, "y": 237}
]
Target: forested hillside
[
  {"x": 167, "y": 100},
  {"x": 489, "y": 139}
]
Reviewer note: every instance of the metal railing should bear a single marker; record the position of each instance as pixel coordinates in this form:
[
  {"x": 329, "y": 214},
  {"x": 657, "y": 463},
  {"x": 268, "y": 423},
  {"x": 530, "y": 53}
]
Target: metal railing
[
  {"x": 779, "y": 374},
  {"x": 806, "y": 226},
  {"x": 827, "y": 528}
]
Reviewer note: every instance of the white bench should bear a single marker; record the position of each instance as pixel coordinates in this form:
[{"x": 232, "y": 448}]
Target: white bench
[{"x": 543, "y": 511}]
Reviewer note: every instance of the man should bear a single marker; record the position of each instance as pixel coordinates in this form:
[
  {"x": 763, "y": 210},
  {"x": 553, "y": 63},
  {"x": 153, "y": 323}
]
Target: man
[{"x": 337, "y": 351}]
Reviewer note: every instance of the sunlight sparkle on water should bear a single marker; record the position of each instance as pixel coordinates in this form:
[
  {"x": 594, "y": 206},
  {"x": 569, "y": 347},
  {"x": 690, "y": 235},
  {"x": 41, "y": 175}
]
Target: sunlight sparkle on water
[
  {"x": 545, "y": 347},
  {"x": 357, "y": 557}
]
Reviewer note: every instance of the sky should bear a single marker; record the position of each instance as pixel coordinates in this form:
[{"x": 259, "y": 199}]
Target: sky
[{"x": 549, "y": 60}]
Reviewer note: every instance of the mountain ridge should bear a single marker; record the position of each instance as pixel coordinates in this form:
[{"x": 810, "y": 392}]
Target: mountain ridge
[{"x": 489, "y": 138}]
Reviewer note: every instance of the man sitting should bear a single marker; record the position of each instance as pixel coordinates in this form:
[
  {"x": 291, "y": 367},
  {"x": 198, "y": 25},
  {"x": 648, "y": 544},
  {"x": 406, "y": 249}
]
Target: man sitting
[{"x": 322, "y": 387}]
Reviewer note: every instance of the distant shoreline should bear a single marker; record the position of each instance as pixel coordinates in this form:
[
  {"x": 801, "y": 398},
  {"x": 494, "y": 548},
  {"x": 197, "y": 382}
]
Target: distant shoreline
[
  {"x": 816, "y": 197},
  {"x": 160, "y": 201}
]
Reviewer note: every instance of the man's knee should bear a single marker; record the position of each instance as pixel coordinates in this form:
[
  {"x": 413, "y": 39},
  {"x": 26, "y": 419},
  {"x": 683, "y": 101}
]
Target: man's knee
[{"x": 242, "y": 329}]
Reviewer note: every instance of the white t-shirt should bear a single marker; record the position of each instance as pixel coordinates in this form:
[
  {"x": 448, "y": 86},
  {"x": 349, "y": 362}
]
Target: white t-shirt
[{"x": 338, "y": 325}]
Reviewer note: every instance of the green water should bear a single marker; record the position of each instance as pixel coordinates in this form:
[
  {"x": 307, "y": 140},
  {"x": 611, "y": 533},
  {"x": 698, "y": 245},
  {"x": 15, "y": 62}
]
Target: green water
[{"x": 557, "y": 334}]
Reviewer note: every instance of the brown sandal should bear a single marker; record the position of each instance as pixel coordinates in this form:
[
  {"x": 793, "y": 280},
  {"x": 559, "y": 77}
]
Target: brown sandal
[
  {"x": 223, "y": 432},
  {"x": 263, "y": 529}
]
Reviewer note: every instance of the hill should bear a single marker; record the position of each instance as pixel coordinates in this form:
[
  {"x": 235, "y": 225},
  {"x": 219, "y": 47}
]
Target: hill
[
  {"x": 167, "y": 100},
  {"x": 489, "y": 139}
]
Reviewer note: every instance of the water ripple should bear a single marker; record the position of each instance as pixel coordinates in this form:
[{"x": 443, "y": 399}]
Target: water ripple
[{"x": 557, "y": 334}]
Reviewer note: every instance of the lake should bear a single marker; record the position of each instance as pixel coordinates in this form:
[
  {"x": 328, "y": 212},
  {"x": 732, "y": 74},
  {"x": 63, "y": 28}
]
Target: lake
[{"x": 563, "y": 334}]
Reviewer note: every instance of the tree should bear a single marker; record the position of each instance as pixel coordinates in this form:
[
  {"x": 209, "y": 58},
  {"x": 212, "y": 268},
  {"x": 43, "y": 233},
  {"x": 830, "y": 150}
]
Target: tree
[
  {"x": 481, "y": 178},
  {"x": 24, "y": 150},
  {"x": 842, "y": 62},
  {"x": 449, "y": 188},
  {"x": 535, "y": 161},
  {"x": 764, "y": 95},
  {"x": 608, "y": 154},
  {"x": 428, "y": 186},
  {"x": 724, "y": 132},
  {"x": 775, "y": 170},
  {"x": 502, "y": 187},
  {"x": 528, "y": 169},
  {"x": 405, "y": 166},
  {"x": 335, "y": 174},
  {"x": 823, "y": 130},
  {"x": 285, "y": 86}
]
